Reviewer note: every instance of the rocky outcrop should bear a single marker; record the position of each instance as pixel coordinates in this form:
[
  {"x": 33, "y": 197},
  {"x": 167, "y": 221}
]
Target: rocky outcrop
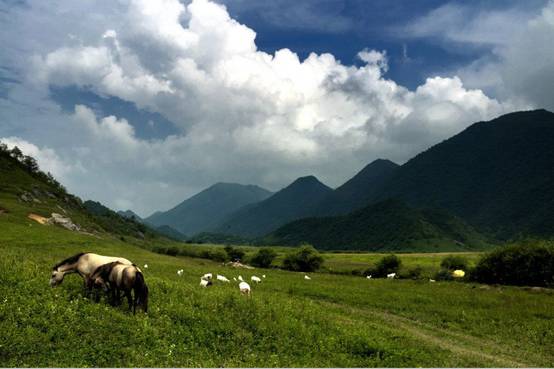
[{"x": 64, "y": 222}]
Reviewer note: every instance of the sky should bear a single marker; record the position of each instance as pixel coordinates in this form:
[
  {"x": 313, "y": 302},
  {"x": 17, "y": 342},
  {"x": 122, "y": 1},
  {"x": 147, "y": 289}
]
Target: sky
[{"x": 140, "y": 104}]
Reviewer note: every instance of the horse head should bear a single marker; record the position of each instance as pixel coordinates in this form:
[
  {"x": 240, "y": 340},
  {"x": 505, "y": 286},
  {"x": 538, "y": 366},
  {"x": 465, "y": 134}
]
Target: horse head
[{"x": 56, "y": 278}]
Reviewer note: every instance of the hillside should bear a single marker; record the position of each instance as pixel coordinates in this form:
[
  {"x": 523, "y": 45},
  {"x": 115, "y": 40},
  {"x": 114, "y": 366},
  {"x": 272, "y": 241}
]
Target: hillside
[
  {"x": 386, "y": 226},
  {"x": 292, "y": 202},
  {"x": 358, "y": 191},
  {"x": 497, "y": 175},
  {"x": 26, "y": 191},
  {"x": 130, "y": 214},
  {"x": 204, "y": 210}
]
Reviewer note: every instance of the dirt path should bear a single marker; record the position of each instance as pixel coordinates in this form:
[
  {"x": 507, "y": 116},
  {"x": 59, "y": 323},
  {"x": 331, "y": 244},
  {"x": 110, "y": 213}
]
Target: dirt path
[{"x": 459, "y": 343}]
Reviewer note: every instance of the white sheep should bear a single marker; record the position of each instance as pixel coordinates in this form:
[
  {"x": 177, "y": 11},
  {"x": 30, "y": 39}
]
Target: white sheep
[
  {"x": 432, "y": 280},
  {"x": 255, "y": 279},
  {"x": 244, "y": 288},
  {"x": 240, "y": 278},
  {"x": 391, "y": 275},
  {"x": 145, "y": 266},
  {"x": 263, "y": 276},
  {"x": 234, "y": 279},
  {"x": 207, "y": 276},
  {"x": 368, "y": 277},
  {"x": 180, "y": 272},
  {"x": 205, "y": 283},
  {"x": 307, "y": 277},
  {"x": 222, "y": 278}
]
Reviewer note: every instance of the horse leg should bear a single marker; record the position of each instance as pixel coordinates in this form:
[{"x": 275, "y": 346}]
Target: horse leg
[{"x": 129, "y": 299}]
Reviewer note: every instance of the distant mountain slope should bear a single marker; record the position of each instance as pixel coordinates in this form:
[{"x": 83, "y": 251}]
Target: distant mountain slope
[
  {"x": 171, "y": 233},
  {"x": 498, "y": 175},
  {"x": 386, "y": 226},
  {"x": 130, "y": 215},
  {"x": 204, "y": 210},
  {"x": 358, "y": 191},
  {"x": 293, "y": 202}
]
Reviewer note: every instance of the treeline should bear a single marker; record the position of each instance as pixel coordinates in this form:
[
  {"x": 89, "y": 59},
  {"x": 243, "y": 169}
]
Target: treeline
[{"x": 304, "y": 259}]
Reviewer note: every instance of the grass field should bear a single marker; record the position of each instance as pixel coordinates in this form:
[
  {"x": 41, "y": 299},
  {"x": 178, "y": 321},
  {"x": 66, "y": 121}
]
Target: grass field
[{"x": 331, "y": 320}]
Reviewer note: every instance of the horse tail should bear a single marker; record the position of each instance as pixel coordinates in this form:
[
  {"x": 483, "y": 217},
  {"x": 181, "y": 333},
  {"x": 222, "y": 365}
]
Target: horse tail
[{"x": 141, "y": 291}]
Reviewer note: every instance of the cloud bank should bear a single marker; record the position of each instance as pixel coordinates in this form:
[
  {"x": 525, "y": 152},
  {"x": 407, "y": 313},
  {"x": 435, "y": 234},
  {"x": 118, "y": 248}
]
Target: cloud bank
[{"x": 243, "y": 115}]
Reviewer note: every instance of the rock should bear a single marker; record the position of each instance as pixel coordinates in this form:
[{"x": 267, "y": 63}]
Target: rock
[
  {"x": 238, "y": 264},
  {"x": 140, "y": 235},
  {"x": 64, "y": 222},
  {"x": 26, "y": 197}
]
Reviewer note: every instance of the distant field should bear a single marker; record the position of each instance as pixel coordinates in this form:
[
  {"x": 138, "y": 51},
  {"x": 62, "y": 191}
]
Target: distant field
[
  {"x": 346, "y": 262},
  {"x": 332, "y": 320}
]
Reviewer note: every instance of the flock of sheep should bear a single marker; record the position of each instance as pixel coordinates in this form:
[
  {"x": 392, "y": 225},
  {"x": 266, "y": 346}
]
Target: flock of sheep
[{"x": 244, "y": 287}]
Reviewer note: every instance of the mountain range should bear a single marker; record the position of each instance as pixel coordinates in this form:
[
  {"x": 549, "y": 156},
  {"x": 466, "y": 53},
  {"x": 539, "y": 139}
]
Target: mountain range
[
  {"x": 292, "y": 202},
  {"x": 205, "y": 210},
  {"x": 494, "y": 178}
]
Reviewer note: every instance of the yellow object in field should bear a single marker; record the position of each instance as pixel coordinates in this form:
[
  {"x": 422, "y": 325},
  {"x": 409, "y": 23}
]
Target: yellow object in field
[{"x": 458, "y": 273}]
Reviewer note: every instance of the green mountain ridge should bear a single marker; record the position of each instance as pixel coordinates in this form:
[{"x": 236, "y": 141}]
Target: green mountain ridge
[
  {"x": 496, "y": 175},
  {"x": 390, "y": 225},
  {"x": 358, "y": 191},
  {"x": 292, "y": 202}
]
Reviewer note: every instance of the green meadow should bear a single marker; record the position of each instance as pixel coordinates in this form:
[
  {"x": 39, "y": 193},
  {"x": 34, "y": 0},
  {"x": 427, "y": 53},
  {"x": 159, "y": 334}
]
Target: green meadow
[{"x": 336, "y": 320}]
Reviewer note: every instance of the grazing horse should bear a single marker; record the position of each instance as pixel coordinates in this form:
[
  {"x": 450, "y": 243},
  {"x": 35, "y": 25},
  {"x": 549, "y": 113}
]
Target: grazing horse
[
  {"x": 115, "y": 277},
  {"x": 84, "y": 264}
]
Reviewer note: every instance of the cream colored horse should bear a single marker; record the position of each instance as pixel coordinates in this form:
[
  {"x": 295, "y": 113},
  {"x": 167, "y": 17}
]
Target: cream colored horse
[{"x": 84, "y": 264}]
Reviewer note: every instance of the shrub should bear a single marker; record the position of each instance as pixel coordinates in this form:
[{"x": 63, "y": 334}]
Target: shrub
[
  {"x": 263, "y": 258},
  {"x": 216, "y": 255},
  {"x": 388, "y": 264},
  {"x": 517, "y": 265},
  {"x": 444, "y": 275},
  {"x": 413, "y": 273},
  {"x": 306, "y": 259},
  {"x": 233, "y": 253},
  {"x": 454, "y": 262}
]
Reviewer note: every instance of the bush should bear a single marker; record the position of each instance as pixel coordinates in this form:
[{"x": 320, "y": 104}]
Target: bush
[
  {"x": 517, "y": 265},
  {"x": 233, "y": 253},
  {"x": 263, "y": 258},
  {"x": 216, "y": 255},
  {"x": 306, "y": 259},
  {"x": 444, "y": 275},
  {"x": 388, "y": 264},
  {"x": 413, "y": 273},
  {"x": 454, "y": 262}
]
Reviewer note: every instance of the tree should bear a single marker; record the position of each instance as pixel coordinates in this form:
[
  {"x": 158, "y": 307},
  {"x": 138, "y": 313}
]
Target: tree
[
  {"x": 30, "y": 163},
  {"x": 306, "y": 259},
  {"x": 233, "y": 253},
  {"x": 16, "y": 153},
  {"x": 388, "y": 264},
  {"x": 454, "y": 262},
  {"x": 3, "y": 147},
  {"x": 263, "y": 258}
]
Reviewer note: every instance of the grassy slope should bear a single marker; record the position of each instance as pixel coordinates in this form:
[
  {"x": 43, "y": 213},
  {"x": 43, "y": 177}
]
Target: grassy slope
[{"x": 329, "y": 321}]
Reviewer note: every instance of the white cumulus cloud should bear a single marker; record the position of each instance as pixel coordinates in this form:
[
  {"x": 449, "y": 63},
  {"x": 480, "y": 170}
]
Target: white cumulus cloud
[{"x": 242, "y": 114}]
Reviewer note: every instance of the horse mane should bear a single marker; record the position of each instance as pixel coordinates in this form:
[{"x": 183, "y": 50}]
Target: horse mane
[{"x": 69, "y": 260}]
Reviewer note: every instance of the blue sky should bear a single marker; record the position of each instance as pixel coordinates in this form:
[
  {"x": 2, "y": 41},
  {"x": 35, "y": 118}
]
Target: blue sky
[{"x": 140, "y": 104}]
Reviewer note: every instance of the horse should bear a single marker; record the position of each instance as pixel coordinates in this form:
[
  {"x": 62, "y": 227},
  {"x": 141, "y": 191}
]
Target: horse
[
  {"x": 84, "y": 263},
  {"x": 115, "y": 277}
]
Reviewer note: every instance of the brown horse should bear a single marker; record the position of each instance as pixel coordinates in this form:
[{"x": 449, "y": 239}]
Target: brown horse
[
  {"x": 116, "y": 277},
  {"x": 84, "y": 263}
]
